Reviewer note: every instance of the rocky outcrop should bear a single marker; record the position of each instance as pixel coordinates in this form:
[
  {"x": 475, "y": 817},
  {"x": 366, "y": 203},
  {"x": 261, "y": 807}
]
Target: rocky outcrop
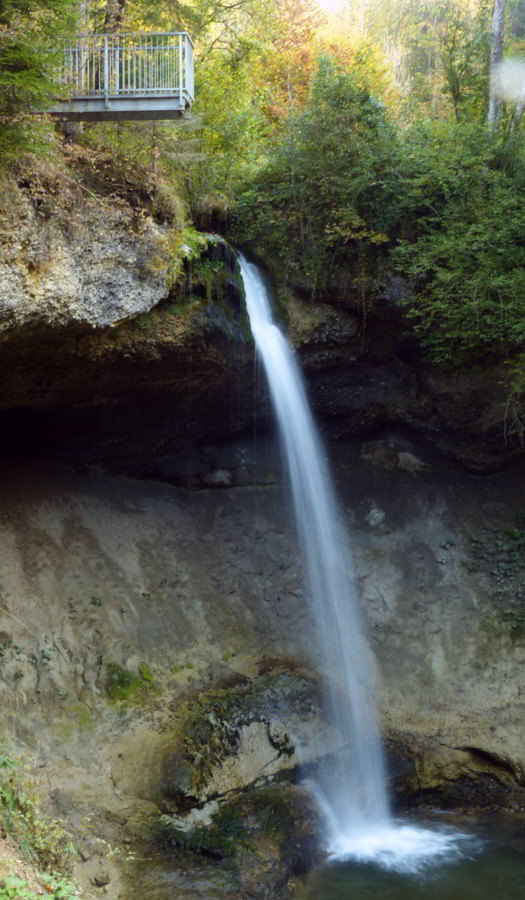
[
  {"x": 78, "y": 261},
  {"x": 243, "y": 734},
  {"x": 103, "y": 354},
  {"x": 365, "y": 372},
  {"x": 115, "y": 350},
  {"x": 128, "y": 606}
]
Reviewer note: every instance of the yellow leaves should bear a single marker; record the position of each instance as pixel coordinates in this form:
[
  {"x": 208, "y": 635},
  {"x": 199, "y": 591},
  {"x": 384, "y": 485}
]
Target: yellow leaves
[{"x": 351, "y": 227}]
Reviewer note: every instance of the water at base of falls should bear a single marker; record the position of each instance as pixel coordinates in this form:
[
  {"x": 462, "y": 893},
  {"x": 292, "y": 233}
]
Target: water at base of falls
[
  {"x": 394, "y": 845},
  {"x": 399, "y": 847},
  {"x": 353, "y": 795},
  {"x": 489, "y": 864}
]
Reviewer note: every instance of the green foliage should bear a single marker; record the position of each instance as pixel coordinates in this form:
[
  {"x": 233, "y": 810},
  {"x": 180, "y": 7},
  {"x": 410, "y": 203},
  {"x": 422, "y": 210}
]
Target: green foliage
[
  {"x": 28, "y": 32},
  {"x": 444, "y": 201},
  {"x": 439, "y": 52},
  {"x": 330, "y": 191},
  {"x": 57, "y": 888},
  {"x": 464, "y": 250},
  {"x": 227, "y": 138},
  {"x": 43, "y": 841}
]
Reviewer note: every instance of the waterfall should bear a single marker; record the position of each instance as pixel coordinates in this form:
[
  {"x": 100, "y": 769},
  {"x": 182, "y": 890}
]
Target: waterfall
[
  {"x": 361, "y": 802},
  {"x": 353, "y": 795}
]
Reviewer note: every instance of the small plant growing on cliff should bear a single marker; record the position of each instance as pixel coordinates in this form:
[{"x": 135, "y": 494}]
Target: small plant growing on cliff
[
  {"x": 123, "y": 685},
  {"x": 14, "y": 888},
  {"x": 40, "y": 839},
  {"x": 145, "y": 672}
]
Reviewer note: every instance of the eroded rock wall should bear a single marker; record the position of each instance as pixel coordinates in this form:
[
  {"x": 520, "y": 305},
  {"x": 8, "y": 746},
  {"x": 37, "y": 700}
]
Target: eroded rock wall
[
  {"x": 148, "y": 551},
  {"x": 102, "y": 351},
  {"x": 100, "y": 569}
]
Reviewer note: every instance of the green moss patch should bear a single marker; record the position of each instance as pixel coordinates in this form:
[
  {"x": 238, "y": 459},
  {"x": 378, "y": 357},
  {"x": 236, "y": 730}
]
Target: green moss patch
[
  {"x": 209, "y": 727},
  {"x": 124, "y": 686}
]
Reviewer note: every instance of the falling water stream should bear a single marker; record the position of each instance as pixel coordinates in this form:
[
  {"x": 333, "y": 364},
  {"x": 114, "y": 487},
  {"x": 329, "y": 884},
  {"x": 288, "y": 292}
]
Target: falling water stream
[
  {"x": 371, "y": 855},
  {"x": 353, "y": 796}
]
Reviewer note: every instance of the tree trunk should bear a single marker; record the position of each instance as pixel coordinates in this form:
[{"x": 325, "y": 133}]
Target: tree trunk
[
  {"x": 496, "y": 55},
  {"x": 114, "y": 14}
]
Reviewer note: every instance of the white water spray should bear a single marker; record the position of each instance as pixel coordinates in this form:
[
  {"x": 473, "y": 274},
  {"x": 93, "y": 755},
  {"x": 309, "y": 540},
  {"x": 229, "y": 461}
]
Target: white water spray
[
  {"x": 354, "y": 801},
  {"x": 343, "y": 647}
]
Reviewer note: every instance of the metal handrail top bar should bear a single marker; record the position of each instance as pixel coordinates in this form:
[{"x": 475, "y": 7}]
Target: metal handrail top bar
[{"x": 131, "y": 34}]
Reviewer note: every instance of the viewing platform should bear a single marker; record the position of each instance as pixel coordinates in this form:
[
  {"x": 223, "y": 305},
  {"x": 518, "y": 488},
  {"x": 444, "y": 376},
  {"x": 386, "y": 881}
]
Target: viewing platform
[{"x": 115, "y": 77}]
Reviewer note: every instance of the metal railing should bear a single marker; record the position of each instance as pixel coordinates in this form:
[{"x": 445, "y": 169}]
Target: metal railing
[{"x": 128, "y": 65}]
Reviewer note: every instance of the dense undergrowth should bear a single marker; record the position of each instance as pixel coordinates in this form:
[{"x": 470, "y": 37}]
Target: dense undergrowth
[
  {"x": 442, "y": 206},
  {"x": 41, "y": 844}
]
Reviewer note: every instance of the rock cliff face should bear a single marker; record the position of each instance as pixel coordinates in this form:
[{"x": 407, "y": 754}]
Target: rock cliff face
[
  {"x": 77, "y": 260},
  {"x": 98, "y": 354},
  {"x": 101, "y": 355},
  {"x": 135, "y": 615},
  {"x": 365, "y": 374},
  {"x": 124, "y": 598}
]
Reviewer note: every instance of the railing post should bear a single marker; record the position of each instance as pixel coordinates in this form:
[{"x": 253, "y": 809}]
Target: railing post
[
  {"x": 189, "y": 68},
  {"x": 181, "y": 73},
  {"x": 117, "y": 65},
  {"x": 106, "y": 72}
]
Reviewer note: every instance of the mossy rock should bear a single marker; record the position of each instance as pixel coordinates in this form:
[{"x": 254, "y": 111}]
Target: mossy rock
[
  {"x": 124, "y": 686},
  {"x": 211, "y": 728},
  {"x": 220, "y": 838},
  {"x": 267, "y": 835}
]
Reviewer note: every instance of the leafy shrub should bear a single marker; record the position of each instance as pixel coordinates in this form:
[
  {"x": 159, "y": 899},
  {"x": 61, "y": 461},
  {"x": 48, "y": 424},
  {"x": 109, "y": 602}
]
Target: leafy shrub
[
  {"x": 57, "y": 888},
  {"x": 463, "y": 246},
  {"x": 329, "y": 193},
  {"x": 42, "y": 840},
  {"x": 29, "y": 30}
]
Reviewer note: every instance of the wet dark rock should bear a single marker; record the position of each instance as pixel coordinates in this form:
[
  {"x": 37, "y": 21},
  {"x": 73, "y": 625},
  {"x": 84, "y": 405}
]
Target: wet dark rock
[
  {"x": 243, "y": 732},
  {"x": 177, "y": 778},
  {"x": 482, "y": 793},
  {"x": 266, "y": 835},
  {"x": 366, "y": 372}
]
